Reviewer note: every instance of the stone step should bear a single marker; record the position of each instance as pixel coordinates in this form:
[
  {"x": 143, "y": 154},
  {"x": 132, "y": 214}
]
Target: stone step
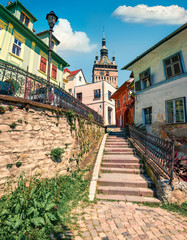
[
  {"x": 122, "y": 170},
  {"x": 128, "y": 198},
  {"x": 124, "y": 180},
  {"x": 118, "y": 153},
  {"x": 116, "y": 145},
  {"x": 120, "y": 157},
  {"x": 125, "y": 183},
  {"x": 145, "y": 192},
  {"x": 120, "y": 160},
  {"x": 119, "y": 150},
  {"x": 122, "y": 165}
]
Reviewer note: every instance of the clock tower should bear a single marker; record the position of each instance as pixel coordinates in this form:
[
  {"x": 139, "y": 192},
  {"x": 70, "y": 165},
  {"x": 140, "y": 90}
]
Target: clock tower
[{"x": 104, "y": 69}]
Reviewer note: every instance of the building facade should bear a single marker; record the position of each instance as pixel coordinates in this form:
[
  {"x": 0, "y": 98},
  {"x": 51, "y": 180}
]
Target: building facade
[
  {"x": 160, "y": 76},
  {"x": 73, "y": 79},
  {"x": 20, "y": 46},
  {"x": 104, "y": 69},
  {"x": 124, "y": 104},
  {"x": 97, "y": 96}
]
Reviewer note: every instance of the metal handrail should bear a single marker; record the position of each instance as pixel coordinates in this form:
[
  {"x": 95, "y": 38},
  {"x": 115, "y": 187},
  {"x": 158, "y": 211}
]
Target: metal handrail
[
  {"x": 159, "y": 150},
  {"x": 18, "y": 82}
]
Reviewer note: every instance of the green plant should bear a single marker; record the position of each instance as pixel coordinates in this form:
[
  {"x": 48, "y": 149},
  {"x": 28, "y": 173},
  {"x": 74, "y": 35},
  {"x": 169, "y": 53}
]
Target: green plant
[
  {"x": 56, "y": 154},
  {"x": 18, "y": 164},
  {"x": 20, "y": 121},
  {"x": 2, "y": 109},
  {"x": 40, "y": 207},
  {"x": 9, "y": 166},
  {"x": 71, "y": 120},
  {"x": 90, "y": 117},
  {"x": 13, "y": 125},
  {"x": 67, "y": 144},
  {"x": 11, "y": 107}
]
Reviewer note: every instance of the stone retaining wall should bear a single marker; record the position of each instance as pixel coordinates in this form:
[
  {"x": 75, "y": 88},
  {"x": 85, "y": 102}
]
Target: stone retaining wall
[{"x": 28, "y": 133}]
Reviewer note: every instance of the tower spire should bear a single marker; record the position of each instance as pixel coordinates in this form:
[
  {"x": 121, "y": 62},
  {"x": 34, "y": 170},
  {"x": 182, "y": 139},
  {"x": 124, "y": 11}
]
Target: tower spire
[
  {"x": 103, "y": 40},
  {"x": 104, "y": 50}
]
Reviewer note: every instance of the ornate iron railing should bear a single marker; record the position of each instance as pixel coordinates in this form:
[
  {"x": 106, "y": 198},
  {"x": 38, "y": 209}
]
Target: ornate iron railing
[
  {"x": 18, "y": 82},
  {"x": 159, "y": 150}
]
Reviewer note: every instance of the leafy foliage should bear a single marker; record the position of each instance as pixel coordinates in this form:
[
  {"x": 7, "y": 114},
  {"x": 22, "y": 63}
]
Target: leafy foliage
[
  {"x": 2, "y": 109},
  {"x": 38, "y": 206},
  {"x": 18, "y": 164},
  {"x": 56, "y": 154}
]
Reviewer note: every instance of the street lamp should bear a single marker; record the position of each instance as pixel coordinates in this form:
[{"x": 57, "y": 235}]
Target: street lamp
[{"x": 52, "y": 19}]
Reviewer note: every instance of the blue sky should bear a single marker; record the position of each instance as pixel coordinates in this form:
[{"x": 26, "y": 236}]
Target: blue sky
[{"x": 129, "y": 29}]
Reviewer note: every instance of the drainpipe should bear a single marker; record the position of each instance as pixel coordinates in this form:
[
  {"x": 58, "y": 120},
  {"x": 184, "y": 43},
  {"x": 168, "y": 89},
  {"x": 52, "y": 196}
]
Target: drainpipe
[{"x": 103, "y": 100}]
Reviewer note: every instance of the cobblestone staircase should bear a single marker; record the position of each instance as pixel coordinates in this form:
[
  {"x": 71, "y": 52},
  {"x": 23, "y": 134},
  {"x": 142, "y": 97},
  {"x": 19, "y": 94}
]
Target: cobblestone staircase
[{"x": 122, "y": 176}]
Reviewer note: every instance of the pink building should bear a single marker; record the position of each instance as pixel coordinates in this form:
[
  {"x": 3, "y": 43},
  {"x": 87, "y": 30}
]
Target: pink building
[{"x": 97, "y": 96}]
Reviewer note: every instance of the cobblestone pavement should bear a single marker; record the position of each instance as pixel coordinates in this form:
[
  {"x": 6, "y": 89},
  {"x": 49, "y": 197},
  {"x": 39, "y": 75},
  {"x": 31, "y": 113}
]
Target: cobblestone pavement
[{"x": 121, "y": 220}]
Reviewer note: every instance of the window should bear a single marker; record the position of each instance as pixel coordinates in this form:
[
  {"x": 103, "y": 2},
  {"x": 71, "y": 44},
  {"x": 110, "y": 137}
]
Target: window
[
  {"x": 43, "y": 63},
  {"x": 70, "y": 90},
  {"x": 52, "y": 44},
  {"x": 79, "y": 97},
  {"x": 173, "y": 66},
  {"x": 148, "y": 115},
  {"x": 118, "y": 105},
  {"x": 145, "y": 79},
  {"x": 175, "y": 110},
  {"x": 24, "y": 19},
  {"x": 123, "y": 98},
  {"x": 16, "y": 49},
  {"x": 54, "y": 72},
  {"x": 109, "y": 95},
  {"x": 97, "y": 94},
  {"x": 80, "y": 78}
]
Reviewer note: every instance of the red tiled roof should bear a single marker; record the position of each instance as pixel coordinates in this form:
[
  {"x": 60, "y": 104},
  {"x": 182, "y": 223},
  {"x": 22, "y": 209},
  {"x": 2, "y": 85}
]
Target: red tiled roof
[
  {"x": 66, "y": 70},
  {"x": 74, "y": 72}
]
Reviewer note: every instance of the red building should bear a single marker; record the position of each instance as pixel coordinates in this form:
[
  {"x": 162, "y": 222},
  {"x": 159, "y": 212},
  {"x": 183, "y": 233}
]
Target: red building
[{"x": 124, "y": 103}]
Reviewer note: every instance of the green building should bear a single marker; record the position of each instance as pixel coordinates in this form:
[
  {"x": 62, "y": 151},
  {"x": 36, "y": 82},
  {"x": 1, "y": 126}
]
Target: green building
[{"x": 20, "y": 46}]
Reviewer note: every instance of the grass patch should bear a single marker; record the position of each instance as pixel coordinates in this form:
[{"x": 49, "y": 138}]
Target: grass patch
[
  {"x": 173, "y": 207},
  {"x": 40, "y": 208}
]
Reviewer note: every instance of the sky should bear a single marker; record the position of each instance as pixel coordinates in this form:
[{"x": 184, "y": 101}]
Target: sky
[{"x": 131, "y": 27}]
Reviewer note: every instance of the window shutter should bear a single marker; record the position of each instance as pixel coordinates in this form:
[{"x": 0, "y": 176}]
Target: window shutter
[{"x": 137, "y": 86}]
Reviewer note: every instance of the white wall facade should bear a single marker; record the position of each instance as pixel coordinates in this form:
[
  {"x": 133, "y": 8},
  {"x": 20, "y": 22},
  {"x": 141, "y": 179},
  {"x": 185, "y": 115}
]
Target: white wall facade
[
  {"x": 101, "y": 105},
  {"x": 162, "y": 88}
]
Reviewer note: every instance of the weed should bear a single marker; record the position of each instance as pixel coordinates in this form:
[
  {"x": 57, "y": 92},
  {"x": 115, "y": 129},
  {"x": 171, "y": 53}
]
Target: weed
[
  {"x": 67, "y": 144},
  {"x": 9, "y": 166},
  {"x": 173, "y": 207},
  {"x": 56, "y": 154},
  {"x": 11, "y": 107},
  {"x": 2, "y": 109},
  {"x": 40, "y": 208},
  {"x": 18, "y": 164},
  {"x": 13, "y": 125},
  {"x": 20, "y": 121}
]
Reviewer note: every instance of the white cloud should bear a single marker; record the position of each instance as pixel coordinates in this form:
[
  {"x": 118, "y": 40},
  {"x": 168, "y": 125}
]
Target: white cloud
[
  {"x": 172, "y": 15},
  {"x": 72, "y": 40}
]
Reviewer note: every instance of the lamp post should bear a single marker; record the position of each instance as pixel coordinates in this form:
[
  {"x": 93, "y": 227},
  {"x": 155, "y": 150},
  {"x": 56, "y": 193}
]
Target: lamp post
[{"x": 52, "y": 19}]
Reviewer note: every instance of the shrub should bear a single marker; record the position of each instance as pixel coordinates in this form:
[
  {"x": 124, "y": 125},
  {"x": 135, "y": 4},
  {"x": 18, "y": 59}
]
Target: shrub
[
  {"x": 56, "y": 154},
  {"x": 90, "y": 117}
]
